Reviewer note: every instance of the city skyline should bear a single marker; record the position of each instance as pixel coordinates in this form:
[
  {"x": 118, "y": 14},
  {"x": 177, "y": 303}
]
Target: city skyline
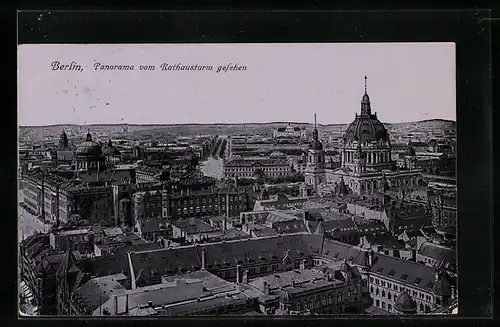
[{"x": 406, "y": 83}]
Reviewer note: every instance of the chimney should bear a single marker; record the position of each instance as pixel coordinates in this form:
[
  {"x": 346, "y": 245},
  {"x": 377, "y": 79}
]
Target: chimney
[
  {"x": 203, "y": 258},
  {"x": 370, "y": 258},
  {"x": 150, "y": 304},
  {"x": 126, "y": 303},
  {"x": 245, "y": 276},
  {"x": 238, "y": 274},
  {"x": 267, "y": 289}
]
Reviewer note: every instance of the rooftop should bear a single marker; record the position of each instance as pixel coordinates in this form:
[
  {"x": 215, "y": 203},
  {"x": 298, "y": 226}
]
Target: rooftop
[{"x": 404, "y": 271}]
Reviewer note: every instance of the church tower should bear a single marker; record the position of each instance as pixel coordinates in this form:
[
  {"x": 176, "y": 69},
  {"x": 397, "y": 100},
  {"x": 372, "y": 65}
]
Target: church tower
[
  {"x": 315, "y": 168},
  {"x": 63, "y": 141}
]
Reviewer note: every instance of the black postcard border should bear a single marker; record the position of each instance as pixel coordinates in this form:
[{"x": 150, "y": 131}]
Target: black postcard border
[{"x": 469, "y": 29}]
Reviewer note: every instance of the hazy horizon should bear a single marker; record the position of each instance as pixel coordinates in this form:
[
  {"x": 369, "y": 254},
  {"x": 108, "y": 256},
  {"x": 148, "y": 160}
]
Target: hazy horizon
[
  {"x": 216, "y": 123},
  {"x": 286, "y": 82}
]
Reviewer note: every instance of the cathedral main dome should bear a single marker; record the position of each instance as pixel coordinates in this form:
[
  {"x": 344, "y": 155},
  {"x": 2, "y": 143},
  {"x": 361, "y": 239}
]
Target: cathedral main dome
[
  {"x": 366, "y": 127},
  {"x": 89, "y": 148}
]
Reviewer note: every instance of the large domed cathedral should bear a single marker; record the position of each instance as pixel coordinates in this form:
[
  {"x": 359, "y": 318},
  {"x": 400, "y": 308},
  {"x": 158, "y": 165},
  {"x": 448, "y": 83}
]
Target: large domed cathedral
[
  {"x": 89, "y": 156},
  {"x": 366, "y": 163}
]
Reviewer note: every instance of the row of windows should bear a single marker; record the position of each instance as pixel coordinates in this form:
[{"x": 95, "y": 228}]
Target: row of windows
[{"x": 394, "y": 287}]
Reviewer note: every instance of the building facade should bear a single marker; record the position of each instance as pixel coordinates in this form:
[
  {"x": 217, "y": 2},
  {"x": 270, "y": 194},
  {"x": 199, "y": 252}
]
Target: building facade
[{"x": 366, "y": 159}]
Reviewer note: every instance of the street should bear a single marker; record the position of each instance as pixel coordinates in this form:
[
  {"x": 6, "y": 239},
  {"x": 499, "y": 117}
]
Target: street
[
  {"x": 27, "y": 223},
  {"x": 212, "y": 167}
]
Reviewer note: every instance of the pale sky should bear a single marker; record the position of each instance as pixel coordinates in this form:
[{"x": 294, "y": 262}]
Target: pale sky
[{"x": 282, "y": 82}]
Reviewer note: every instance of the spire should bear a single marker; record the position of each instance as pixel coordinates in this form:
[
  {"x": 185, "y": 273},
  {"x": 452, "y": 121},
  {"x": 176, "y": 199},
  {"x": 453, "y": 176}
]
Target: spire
[
  {"x": 365, "y": 103},
  {"x": 315, "y": 131}
]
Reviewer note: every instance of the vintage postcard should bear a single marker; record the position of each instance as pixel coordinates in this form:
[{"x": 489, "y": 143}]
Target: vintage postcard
[{"x": 237, "y": 179}]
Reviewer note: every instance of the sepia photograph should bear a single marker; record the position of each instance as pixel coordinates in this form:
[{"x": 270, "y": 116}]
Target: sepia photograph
[{"x": 250, "y": 179}]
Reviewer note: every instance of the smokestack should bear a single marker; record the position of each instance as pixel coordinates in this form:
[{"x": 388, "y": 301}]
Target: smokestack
[
  {"x": 370, "y": 258},
  {"x": 203, "y": 258},
  {"x": 126, "y": 303},
  {"x": 267, "y": 288},
  {"x": 238, "y": 274},
  {"x": 245, "y": 276}
]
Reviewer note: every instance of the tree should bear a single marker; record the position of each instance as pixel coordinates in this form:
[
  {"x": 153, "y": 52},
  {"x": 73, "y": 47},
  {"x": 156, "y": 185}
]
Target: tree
[{"x": 260, "y": 176}]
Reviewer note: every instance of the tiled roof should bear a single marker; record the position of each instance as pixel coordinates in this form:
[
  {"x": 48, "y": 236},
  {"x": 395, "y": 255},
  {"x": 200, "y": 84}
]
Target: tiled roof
[
  {"x": 106, "y": 265},
  {"x": 193, "y": 226},
  {"x": 285, "y": 279},
  {"x": 224, "y": 255},
  {"x": 290, "y": 226},
  {"x": 437, "y": 252},
  {"x": 370, "y": 226},
  {"x": 404, "y": 271},
  {"x": 341, "y": 225},
  {"x": 264, "y": 231},
  {"x": 112, "y": 231},
  {"x": 98, "y": 291},
  {"x": 386, "y": 240}
]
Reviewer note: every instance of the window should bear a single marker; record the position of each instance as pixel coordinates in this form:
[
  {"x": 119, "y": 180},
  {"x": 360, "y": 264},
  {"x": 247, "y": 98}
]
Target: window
[
  {"x": 389, "y": 307},
  {"x": 383, "y": 293},
  {"x": 371, "y": 289},
  {"x": 404, "y": 276},
  {"x": 339, "y": 298},
  {"x": 330, "y": 299},
  {"x": 376, "y": 291},
  {"x": 376, "y": 281},
  {"x": 275, "y": 267},
  {"x": 389, "y": 296},
  {"x": 438, "y": 300},
  {"x": 383, "y": 305},
  {"x": 377, "y": 303},
  {"x": 227, "y": 274},
  {"x": 263, "y": 270}
]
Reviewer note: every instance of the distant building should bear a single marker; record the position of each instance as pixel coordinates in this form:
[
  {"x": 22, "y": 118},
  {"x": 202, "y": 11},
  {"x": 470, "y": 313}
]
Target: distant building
[
  {"x": 186, "y": 204},
  {"x": 280, "y": 202},
  {"x": 248, "y": 167},
  {"x": 290, "y": 132}
]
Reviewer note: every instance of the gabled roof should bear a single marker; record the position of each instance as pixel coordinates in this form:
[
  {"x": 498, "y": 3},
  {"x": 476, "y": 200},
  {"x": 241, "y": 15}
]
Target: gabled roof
[{"x": 404, "y": 271}]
